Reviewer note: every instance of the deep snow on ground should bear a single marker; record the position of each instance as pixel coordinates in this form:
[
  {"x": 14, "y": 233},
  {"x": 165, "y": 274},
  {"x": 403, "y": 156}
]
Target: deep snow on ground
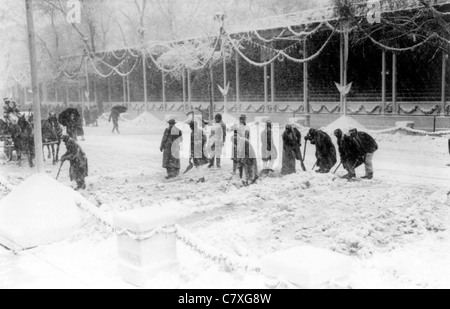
[{"x": 395, "y": 226}]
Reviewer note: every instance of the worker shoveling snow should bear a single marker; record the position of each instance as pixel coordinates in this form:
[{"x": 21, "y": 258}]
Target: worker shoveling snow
[
  {"x": 344, "y": 123},
  {"x": 39, "y": 211}
]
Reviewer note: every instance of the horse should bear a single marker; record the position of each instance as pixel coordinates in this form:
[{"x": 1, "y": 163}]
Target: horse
[
  {"x": 23, "y": 139},
  {"x": 52, "y": 136},
  {"x": 5, "y": 137}
]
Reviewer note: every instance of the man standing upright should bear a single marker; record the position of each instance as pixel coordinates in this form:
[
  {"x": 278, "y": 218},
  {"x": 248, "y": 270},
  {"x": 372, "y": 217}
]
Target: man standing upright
[
  {"x": 217, "y": 141},
  {"x": 170, "y": 147},
  {"x": 269, "y": 150},
  {"x": 366, "y": 148},
  {"x": 115, "y": 119},
  {"x": 292, "y": 141}
]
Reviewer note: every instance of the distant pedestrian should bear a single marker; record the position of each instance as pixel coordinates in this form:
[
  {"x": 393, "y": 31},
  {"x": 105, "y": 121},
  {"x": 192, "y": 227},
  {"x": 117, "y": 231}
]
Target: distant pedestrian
[{"x": 114, "y": 116}]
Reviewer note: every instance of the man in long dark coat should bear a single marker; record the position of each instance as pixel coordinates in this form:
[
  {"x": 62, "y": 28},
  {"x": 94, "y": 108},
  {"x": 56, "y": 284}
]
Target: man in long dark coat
[
  {"x": 269, "y": 151},
  {"x": 114, "y": 116},
  {"x": 325, "y": 150},
  {"x": 198, "y": 145},
  {"x": 170, "y": 147},
  {"x": 247, "y": 161},
  {"x": 78, "y": 162},
  {"x": 348, "y": 151},
  {"x": 366, "y": 148},
  {"x": 292, "y": 142}
]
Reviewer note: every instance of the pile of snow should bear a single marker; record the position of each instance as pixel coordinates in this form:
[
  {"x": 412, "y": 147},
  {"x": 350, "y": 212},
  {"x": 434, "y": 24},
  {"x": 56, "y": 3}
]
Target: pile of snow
[
  {"x": 126, "y": 117},
  {"x": 147, "y": 119},
  {"x": 344, "y": 123},
  {"x": 229, "y": 119},
  {"x": 39, "y": 211}
]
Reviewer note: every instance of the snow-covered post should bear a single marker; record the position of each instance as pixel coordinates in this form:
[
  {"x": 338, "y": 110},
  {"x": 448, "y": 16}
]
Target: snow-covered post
[
  {"x": 266, "y": 88},
  {"x": 272, "y": 85},
  {"x": 183, "y": 78},
  {"x": 109, "y": 90},
  {"x": 189, "y": 90},
  {"x": 444, "y": 84},
  {"x": 238, "y": 83},
  {"x": 35, "y": 87},
  {"x": 164, "y": 90},
  {"x": 394, "y": 83},
  {"x": 144, "y": 72},
  {"x": 124, "y": 87},
  {"x": 383, "y": 83},
  {"x": 305, "y": 84},
  {"x": 146, "y": 241}
]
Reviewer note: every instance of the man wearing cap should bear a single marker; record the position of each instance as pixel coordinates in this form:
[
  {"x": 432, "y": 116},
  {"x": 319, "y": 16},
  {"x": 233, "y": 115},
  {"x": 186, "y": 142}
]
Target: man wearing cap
[
  {"x": 349, "y": 154},
  {"x": 170, "y": 147},
  {"x": 325, "y": 150},
  {"x": 292, "y": 141},
  {"x": 243, "y": 129},
  {"x": 269, "y": 150},
  {"x": 217, "y": 141},
  {"x": 78, "y": 162},
  {"x": 366, "y": 146}
]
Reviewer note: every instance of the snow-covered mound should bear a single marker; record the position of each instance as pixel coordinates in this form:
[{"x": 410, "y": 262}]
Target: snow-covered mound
[
  {"x": 39, "y": 211},
  {"x": 126, "y": 117},
  {"x": 229, "y": 119},
  {"x": 344, "y": 123},
  {"x": 147, "y": 119}
]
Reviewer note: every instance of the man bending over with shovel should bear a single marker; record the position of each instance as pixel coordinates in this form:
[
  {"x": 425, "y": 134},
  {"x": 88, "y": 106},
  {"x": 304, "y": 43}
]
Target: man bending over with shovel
[{"x": 78, "y": 162}]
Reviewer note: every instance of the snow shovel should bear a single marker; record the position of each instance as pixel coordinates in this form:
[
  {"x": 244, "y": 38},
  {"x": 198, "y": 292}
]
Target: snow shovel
[
  {"x": 59, "y": 172},
  {"x": 338, "y": 168},
  {"x": 190, "y": 167}
]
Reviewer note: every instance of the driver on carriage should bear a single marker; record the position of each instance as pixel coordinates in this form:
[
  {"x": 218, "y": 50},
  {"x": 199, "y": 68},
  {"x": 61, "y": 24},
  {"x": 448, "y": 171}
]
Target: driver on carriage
[{"x": 10, "y": 108}]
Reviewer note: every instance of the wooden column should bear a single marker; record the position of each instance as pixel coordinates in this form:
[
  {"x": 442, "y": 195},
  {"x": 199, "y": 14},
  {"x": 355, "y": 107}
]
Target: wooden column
[
  {"x": 164, "y": 90},
  {"x": 144, "y": 73},
  {"x": 383, "y": 81},
  {"x": 56, "y": 93},
  {"x": 272, "y": 85},
  {"x": 266, "y": 88},
  {"x": 45, "y": 92},
  {"x": 305, "y": 79},
  {"x": 444, "y": 83},
  {"x": 238, "y": 83},
  {"x": 67, "y": 94},
  {"x": 394, "y": 83}
]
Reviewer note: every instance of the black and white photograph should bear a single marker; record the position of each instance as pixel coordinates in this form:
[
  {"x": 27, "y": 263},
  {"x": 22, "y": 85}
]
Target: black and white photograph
[{"x": 227, "y": 145}]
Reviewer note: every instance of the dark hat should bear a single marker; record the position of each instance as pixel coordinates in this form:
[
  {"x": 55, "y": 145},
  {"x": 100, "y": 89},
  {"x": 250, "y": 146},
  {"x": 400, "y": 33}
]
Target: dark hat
[
  {"x": 171, "y": 121},
  {"x": 338, "y": 133},
  {"x": 65, "y": 138},
  {"x": 218, "y": 117},
  {"x": 243, "y": 116}
]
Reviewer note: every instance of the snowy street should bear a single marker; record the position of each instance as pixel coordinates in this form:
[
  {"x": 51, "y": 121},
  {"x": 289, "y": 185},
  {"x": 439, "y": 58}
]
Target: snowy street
[{"x": 396, "y": 227}]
